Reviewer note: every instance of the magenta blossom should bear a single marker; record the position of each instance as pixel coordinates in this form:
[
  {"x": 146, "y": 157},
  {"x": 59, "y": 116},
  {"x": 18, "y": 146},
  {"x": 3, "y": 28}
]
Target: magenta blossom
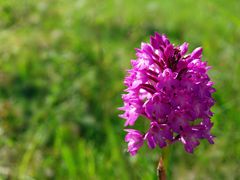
[{"x": 173, "y": 91}]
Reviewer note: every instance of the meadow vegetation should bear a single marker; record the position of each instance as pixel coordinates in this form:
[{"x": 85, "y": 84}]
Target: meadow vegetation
[{"x": 62, "y": 64}]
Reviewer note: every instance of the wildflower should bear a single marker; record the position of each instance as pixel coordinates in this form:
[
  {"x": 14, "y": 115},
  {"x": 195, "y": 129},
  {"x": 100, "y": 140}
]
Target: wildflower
[
  {"x": 135, "y": 141},
  {"x": 173, "y": 91}
]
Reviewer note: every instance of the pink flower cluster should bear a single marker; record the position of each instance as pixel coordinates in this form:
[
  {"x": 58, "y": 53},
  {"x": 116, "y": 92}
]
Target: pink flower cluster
[{"x": 173, "y": 91}]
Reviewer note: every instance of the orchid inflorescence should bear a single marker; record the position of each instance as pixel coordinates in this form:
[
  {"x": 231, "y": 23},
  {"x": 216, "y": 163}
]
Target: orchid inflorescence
[{"x": 173, "y": 91}]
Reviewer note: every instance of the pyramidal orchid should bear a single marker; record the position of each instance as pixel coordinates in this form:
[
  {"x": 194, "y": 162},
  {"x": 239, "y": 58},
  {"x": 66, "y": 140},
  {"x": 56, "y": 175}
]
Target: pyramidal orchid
[{"x": 173, "y": 91}]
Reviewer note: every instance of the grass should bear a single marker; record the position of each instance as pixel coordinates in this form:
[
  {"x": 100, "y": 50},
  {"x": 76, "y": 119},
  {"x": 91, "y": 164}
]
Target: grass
[{"x": 62, "y": 65}]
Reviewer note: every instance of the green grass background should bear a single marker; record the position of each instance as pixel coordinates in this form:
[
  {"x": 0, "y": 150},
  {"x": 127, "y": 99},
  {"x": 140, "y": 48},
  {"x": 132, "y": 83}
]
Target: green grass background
[{"x": 62, "y": 64}]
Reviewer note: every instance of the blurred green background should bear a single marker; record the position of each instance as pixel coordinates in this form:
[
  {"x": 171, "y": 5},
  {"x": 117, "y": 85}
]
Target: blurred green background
[{"x": 62, "y": 64}]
